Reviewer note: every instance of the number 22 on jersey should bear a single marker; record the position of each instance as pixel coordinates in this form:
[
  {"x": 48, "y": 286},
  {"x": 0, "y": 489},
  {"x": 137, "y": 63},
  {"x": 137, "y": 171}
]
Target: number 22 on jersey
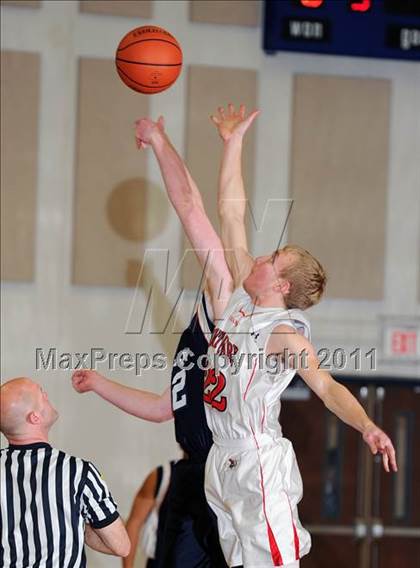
[{"x": 213, "y": 387}]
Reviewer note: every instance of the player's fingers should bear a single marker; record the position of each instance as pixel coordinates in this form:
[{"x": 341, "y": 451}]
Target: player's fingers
[
  {"x": 215, "y": 119},
  {"x": 254, "y": 113},
  {"x": 385, "y": 461},
  {"x": 392, "y": 457},
  {"x": 231, "y": 108},
  {"x": 251, "y": 118},
  {"x": 221, "y": 112},
  {"x": 372, "y": 446},
  {"x": 161, "y": 121},
  {"x": 242, "y": 111}
]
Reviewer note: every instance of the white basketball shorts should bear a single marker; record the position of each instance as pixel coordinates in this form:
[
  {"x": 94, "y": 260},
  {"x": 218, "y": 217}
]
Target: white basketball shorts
[{"x": 254, "y": 485}]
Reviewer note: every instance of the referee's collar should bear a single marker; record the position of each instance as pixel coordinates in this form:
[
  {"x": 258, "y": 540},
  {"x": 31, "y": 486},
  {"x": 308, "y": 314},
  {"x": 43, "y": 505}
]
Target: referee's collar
[{"x": 35, "y": 446}]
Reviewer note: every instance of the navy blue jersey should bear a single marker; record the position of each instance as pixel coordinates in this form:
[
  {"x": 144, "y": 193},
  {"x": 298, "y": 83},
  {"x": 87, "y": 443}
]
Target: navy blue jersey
[
  {"x": 185, "y": 550},
  {"x": 188, "y": 510},
  {"x": 191, "y": 430}
]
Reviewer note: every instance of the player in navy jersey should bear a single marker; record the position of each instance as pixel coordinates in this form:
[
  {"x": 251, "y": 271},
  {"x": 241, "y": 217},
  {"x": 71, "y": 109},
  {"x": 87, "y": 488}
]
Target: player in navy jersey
[
  {"x": 147, "y": 519},
  {"x": 186, "y": 494},
  {"x": 184, "y": 398},
  {"x": 191, "y": 430}
]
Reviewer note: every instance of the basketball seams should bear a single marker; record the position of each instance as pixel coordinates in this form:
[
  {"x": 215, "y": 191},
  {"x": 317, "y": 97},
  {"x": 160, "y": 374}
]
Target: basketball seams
[
  {"x": 150, "y": 39},
  {"x": 142, "y": 84},
  {"x": 144, "y": 63}
]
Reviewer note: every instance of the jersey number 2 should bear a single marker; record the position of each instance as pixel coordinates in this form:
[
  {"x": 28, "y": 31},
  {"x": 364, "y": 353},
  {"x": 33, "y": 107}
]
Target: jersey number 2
[
  {"x": 213, "y": 387},
  {"x": 179, "y": 399}
]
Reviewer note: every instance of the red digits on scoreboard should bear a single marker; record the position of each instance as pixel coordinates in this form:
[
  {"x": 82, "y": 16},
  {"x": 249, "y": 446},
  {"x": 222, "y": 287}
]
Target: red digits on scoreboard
[
  {"x": 361, "y": 5},
  {"x": 211, "y": 394},
  {"x": 312, "y": 3},
  {"x": 355, "y": 5}
]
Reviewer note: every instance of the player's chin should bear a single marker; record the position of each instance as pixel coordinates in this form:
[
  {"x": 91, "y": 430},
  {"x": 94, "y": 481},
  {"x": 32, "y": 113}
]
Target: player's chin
[{"x": 249, "y": 284}]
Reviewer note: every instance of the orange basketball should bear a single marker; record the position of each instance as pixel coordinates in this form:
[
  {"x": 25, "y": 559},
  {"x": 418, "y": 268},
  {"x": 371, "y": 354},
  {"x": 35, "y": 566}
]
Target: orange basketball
[{"x": 148, "y": 59}]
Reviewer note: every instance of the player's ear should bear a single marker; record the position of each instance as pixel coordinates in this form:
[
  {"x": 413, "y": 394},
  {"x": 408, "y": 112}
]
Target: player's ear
[{"x": 283, "y": 286}]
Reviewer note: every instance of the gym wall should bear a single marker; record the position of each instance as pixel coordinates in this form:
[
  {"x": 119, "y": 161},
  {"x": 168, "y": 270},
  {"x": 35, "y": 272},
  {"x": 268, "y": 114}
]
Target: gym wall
[{"x": 81, "y": 206}]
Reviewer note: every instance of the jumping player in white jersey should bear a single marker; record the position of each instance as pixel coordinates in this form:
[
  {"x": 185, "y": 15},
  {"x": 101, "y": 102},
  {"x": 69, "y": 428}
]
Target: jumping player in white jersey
[{"x": 252, "y": 479}]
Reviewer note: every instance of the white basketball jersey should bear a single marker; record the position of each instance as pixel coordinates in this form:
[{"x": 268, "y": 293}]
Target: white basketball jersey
[{"x": 242, "y": 388}]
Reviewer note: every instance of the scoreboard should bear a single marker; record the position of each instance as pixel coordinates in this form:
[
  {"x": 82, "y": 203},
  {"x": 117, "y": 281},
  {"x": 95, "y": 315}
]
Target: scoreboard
[{"x": 363, "y": 28}]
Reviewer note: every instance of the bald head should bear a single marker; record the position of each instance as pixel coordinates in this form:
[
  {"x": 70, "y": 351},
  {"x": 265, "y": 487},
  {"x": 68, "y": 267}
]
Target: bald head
[{"x": 25, "y": 409}]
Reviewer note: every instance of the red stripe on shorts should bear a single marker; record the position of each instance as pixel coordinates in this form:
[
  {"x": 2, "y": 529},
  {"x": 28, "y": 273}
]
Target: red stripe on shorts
[
  {"x": 295, "y": 534},
  {"x": 274, "y": 549}
]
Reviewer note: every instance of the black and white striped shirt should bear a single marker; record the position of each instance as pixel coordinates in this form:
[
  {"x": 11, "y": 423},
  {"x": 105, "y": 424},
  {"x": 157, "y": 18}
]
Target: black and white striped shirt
[{"x": 47, "y": 496}]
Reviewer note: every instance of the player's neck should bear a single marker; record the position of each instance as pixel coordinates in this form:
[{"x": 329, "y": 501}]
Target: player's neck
[{"x": 268, "y": 301}]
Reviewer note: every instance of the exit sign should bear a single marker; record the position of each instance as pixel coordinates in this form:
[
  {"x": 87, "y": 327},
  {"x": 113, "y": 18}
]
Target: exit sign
[
  {"x": 404, "y": 342},
  {"x": 401, "y": 339}
]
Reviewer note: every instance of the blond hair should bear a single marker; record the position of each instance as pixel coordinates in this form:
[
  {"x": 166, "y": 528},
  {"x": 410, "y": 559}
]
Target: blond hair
[{"x": 306, "y": 276}]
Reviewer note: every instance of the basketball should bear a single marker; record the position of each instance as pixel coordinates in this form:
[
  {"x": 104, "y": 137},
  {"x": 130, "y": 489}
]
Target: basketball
[{"x": 148, "y": 59}]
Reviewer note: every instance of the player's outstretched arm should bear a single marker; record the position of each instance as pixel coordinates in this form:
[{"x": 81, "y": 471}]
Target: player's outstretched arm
[
  {"x": 336, "y": 397},
  {"x": 143, "y": 503},
  {"x": 186, "y": 199},
  {"x": 232, "y": 127},
  {"x": 142, "y": 404}
]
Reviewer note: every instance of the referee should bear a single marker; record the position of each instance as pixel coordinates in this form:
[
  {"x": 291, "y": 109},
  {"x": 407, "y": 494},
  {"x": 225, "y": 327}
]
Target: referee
[{"x": 51, "y": 503}]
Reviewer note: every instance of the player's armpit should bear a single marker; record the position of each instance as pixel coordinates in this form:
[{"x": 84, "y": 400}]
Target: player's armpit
[{"x": 240, "y": 265}]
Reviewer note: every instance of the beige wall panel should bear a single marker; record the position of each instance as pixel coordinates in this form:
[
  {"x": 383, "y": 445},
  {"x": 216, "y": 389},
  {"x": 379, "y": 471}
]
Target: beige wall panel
[
  {"x": 26, "y": 3},
  {"x": 236, "y": 12},
  {"x": 418, "y": 277},
  {"x": 339, "y": 174},
  {"x": 133, "y": 8},
  {"x": 203, "y": 143},
  {"x": 112, "y": 192},
  {"x": 19, "y": 158}
]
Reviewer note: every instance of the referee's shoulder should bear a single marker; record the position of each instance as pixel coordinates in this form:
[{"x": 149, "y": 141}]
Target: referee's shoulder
[
  {"x": 86, "y": 466},
  {"x": 59, "y": 457}
]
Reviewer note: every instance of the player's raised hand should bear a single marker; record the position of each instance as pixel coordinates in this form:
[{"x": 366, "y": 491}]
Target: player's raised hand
[
  {"x": 378, "y": 441},
  {"x": 232, "y": 122},
  {"x": 85, "y": 380},
  {"x": 145, "y": 129}
]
